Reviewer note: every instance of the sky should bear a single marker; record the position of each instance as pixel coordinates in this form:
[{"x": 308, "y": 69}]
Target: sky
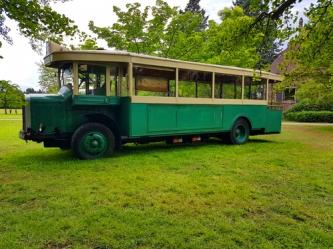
[{"x": 20, "y": 61}]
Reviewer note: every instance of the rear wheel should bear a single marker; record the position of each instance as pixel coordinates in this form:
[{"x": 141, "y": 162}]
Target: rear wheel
[
  {"x": 92, "y": 140},
  {"x": 239, "y": 133}
]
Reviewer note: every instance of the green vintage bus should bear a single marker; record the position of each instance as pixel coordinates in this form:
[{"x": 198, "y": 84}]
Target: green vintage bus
[{"x": 110, "y": 98}]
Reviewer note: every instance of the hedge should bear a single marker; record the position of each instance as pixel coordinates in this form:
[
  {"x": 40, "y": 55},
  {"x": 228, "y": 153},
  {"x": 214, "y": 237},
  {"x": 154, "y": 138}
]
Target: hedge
[
  {"x": 307, "y": 106},
  {"x": 310, "y": 116}
]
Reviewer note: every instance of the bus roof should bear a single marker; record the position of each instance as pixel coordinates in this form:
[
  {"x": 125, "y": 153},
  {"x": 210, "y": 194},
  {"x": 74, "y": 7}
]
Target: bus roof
[{"x": 61, "y": 55}]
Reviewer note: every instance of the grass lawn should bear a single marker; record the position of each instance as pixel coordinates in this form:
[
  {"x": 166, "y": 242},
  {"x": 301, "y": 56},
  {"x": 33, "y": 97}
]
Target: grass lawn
[{"x": 274, "y": 192}]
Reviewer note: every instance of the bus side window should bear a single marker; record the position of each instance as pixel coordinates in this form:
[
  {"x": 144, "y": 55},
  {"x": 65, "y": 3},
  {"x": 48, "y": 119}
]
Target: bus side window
[
  {"x": 194, "y": 84},
  {"x": 255, "y": 88},
  {"x": 153, "y": 81},
  {"x": 228, "y": 87},
  {"x": 92, "y": 79}
]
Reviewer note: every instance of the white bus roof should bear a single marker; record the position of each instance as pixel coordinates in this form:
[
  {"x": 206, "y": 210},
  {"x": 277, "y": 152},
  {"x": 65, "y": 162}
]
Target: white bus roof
[{"x": 61, "y": 55}]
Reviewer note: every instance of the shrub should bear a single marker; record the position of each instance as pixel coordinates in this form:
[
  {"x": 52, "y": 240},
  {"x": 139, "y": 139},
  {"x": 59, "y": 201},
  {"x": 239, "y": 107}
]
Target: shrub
[
  {"x": 310, "y": 116},
  {"x": 308, "y": 106}
]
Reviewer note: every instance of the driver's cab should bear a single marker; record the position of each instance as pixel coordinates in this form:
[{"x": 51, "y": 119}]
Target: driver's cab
[{"x": 93, "y": 82}]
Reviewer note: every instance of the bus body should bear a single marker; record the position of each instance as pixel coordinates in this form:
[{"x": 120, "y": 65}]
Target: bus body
[{"x": 110, "y": 98}]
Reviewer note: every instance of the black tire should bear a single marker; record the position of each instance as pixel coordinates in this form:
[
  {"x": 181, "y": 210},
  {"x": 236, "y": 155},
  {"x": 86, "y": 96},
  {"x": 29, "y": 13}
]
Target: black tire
[
  {"x": 239, "y": 133},
  {"x": 93, "y": 140}
]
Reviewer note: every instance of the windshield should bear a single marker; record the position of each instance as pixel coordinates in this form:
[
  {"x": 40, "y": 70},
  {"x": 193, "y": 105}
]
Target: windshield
[{"x": 66, "y": 75}]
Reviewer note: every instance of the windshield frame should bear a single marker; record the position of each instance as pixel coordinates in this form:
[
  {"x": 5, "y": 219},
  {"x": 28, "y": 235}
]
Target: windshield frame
[{"x": 66, "y": 75}]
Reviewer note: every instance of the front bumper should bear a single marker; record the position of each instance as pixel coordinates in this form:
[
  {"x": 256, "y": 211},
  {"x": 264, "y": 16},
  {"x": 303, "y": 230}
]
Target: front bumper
[{"x": 30, "y": 135}]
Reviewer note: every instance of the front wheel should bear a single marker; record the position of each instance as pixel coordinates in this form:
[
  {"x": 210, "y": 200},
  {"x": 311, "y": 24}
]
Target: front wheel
[
  {"x": 239, "y": 133},
  {"x": 92, "y": 140}
]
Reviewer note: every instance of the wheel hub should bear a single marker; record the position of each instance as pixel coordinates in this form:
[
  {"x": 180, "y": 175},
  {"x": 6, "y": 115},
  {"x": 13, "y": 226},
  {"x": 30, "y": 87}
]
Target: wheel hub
[
  {"x": 94, "y": 143},
  {"x": 240, "y": 133}
]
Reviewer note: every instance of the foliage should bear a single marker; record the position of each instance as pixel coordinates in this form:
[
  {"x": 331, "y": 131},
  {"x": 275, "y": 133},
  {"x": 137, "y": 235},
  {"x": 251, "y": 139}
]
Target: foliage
[
  {"x": 311, "y": 56},
  {"x": 10, "y": 95},
  {"x": 159, "y": 196},
  {"x": 310, "y": 106},
  {"x": 194, "y": 7},
  {"x": 270, "y": 46},
  {"x": 252, "y": 8},
  {"x": 36, "y": 20},
  {"x": 48, "y": 79},
  {"x": 29, "y": 90},
  {"x": 89, "y": 44},
  {"x": 310, "y": 116},
  {"x": 156, "y": 30},
  {"x": 220, "y": 46}
]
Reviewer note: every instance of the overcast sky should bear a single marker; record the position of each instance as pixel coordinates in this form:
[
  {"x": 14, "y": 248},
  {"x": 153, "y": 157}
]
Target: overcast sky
[{"x": 19, "y": 63}]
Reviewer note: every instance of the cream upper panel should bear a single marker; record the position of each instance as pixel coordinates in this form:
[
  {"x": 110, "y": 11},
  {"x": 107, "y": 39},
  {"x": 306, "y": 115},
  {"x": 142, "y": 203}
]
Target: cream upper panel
[{"x": 115, "y": 56}]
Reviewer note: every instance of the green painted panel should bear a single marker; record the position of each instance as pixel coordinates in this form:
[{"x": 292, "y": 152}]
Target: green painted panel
[
  {"x": 161, "y": 118},
  {"x": 273, "y": 120},
  {"x": 194, "y": 117},
  {"x": 165, "y": 119},
  {"x": 255, "y": 113},
  {"x": 138, "y": 120},
  {"x": 50, "y": 115}
]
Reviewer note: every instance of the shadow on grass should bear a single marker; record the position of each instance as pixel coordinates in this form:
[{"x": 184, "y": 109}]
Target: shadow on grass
[{"x": 58, "y": 159}]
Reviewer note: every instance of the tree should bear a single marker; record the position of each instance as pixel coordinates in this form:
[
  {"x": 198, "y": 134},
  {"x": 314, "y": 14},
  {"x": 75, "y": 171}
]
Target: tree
[
  {"x": 220, "y": 46},
  {"x": 270, "y": 47},
  {"x": 158, "y": 30},
  {"x": 252, "y": 8},
  {"x": 194, "y": 7},
  {"x": 89, "y": 44},
  {"x": 311, "y": 54},
  {"x": 10, "y": 95},
  {"x": 48, "y": 78},
  {"x": 30, "y": 90},
  {"x": 36, "y": 20}
]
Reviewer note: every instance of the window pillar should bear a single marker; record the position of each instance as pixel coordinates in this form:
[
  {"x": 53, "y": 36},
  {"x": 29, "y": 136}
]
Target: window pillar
[
  {"x": 130, "y": 78},
  {"x": 108, "y": 80},
  {"x": 243, "y": 86},
  {"x": 177, "y": 74},
  {"x": 119, "y": 81},
  {"x": 267, "y": 85},
  {"x": 75, "y": 79},
  {"x": 213, "y": 85}
]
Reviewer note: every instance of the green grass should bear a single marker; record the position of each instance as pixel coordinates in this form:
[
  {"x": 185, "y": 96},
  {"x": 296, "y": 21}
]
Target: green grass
[{"x": 274, "y": 192}]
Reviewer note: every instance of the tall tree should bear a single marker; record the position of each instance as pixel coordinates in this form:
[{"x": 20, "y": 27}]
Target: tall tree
[
  {"x": 270, "y": 47},
  {"x": 36, "y": 20},
  {"x": 220, "y": 46},
  {"x": 252, "y": 8},
  {"x": 10, "y": 95},
  {"x": 311, "y": 56},
  {"x": 194, "y": 7},
  {"x": 158, "y": 30}
]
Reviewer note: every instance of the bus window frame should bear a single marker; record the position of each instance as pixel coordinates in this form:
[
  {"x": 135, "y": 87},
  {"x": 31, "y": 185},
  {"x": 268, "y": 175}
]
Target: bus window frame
[
  {"x": 130, "y": 80},
  {"x": 107, "y": 77}
]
